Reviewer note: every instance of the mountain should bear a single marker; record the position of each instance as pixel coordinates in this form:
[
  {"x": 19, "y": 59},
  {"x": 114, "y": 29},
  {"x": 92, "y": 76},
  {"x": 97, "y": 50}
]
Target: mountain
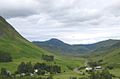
[
  {"x": 54, "y": 45},
  {"x": 101, "y": 46},
  {"x": 55, "y": 42},
  {"x": 63, "y": 48},
  {"x": 13, "y": 43}
]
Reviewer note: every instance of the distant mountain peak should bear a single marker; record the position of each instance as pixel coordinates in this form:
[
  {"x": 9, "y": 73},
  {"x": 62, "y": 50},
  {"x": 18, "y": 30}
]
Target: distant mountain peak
[{"x": 55, "y": 39}]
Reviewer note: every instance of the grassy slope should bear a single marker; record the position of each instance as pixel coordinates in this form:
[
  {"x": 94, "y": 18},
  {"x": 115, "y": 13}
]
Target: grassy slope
[
  {"x": 20, "y": 49},
  {"x": 111, "y": 57}
]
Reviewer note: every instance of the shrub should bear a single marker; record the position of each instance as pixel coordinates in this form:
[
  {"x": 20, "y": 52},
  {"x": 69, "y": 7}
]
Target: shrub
[{"x": 5, "y": 57}]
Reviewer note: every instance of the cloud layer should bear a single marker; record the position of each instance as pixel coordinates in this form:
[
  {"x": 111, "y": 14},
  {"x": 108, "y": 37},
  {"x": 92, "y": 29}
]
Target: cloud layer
[{"x": 73, "y": 21}]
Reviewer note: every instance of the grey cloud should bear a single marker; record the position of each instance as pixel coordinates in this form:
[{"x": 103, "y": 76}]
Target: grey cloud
[
  {"x": 17, "y": 13},
  {"x": 18, "y": 8},
  {"x": 73, "y": 21},
  {"x": 114, "y": 9}
]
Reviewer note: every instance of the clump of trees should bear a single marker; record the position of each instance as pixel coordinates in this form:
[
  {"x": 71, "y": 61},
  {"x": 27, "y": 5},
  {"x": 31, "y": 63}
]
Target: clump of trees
[
  {"x": 53, "y": 69},
  {"x": 48, "y": 57},
  {"x": 5, "y": 74},
  {"x": 26, "y": 68},
  {"x": 93, "y": 64},
  {"x": 105, "y": 74},
  {"x": 110, "y": 67},
  {"x": 5, "y": 57},
  {"x": 42, "y": 68}
]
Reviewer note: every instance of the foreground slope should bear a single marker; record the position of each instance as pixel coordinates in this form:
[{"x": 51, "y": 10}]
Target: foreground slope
[{"x": 12, "y": 42}]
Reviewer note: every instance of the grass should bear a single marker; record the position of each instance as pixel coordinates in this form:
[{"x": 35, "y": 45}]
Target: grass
[
  {"x": 63, "y": 62},
  {"x": 67, "y": 75},
  {"x": 116, "y": 72}
]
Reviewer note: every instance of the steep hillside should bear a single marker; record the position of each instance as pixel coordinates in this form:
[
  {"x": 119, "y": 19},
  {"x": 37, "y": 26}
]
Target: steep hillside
[{"x": 12, "y": 42}]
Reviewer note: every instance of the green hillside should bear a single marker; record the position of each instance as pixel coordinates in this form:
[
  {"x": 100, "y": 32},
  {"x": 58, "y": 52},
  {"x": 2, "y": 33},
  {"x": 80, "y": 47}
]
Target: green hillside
[
  {"x": 12, "y": 42},
  {"x": 18, "y": 47},
  {"x": 110, "y": 57}
]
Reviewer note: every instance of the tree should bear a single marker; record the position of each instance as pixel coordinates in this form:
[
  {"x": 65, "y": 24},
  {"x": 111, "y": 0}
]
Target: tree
[
  {"x": 21, "y": 68},
  {"x": 93, "y": 64},
  {"x": 48, "y": 57},
  {"x": 49, "y": 68},
  {"x": 41, "y": 66},
  {"x": 106, "y": 74},
  {"x": 4, "y": 72},
  {"x": 5, "y": 57},
  {"x": 41, "y": 72},
  {"x": 26, "y": 68},
  {"x": 29, "y": 68}
]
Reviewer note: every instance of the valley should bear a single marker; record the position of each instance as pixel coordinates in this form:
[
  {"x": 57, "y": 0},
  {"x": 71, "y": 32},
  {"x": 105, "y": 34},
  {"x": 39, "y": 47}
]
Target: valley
[{"x": 62, "y": 61}]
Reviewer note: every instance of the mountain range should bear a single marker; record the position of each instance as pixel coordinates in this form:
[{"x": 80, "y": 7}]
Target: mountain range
[{"x": 56, "y": 45}]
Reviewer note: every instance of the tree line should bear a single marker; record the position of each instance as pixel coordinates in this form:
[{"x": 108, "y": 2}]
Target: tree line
[
  {"x": 104, "y": 74},
  {"x": 47, "y": 57},
  {"x": 41, "y": 68},
  {"x": 28, "y": 69},
  {"x": 5, "y": 57}
]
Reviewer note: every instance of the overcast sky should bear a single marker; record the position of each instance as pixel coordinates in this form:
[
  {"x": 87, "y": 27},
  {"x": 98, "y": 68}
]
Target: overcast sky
[{"x": 72, "y": 21}]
